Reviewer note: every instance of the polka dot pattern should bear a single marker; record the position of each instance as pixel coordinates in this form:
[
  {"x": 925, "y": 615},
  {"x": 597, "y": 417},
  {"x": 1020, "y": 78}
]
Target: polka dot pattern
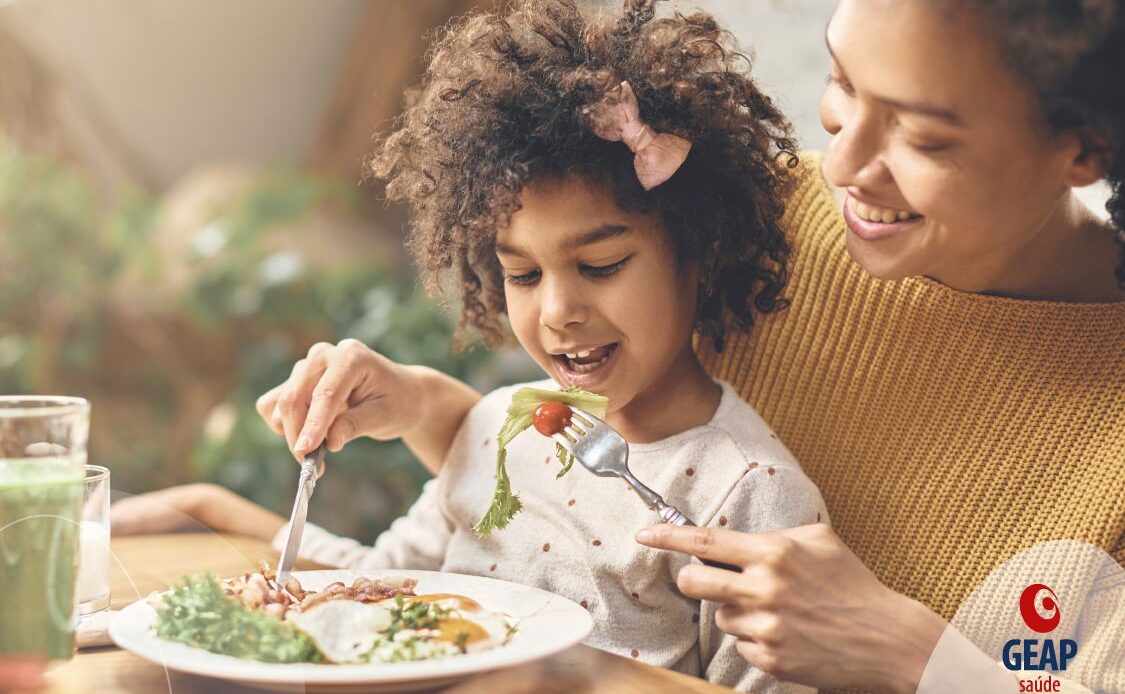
[{"x": 581, "y": 562}]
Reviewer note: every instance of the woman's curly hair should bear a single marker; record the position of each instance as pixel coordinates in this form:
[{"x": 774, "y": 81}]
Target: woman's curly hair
[
  {"x": 1071, "y": 54},
  {"x": 505, "y": 101}
]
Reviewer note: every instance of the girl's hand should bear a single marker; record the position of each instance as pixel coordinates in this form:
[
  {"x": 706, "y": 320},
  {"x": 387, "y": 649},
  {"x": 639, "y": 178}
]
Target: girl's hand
[
  {"x": 193, "y": 507},
  {"x": 805, "y": 609},
  {"x": 170, "y": 510},
  {"x": 341, "y": 392}
]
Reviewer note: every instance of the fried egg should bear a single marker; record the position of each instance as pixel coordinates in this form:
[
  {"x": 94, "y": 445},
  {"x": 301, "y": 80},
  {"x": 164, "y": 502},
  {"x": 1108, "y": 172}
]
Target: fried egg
[
  {"x": 469, "y": 624},
  {"x": 345, "y": 631},
  {"x": 348, "y": 631}
]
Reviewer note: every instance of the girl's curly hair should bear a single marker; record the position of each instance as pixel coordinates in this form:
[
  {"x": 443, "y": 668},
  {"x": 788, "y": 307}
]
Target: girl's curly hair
[
  {"x": 1071, "y": 54},
  {"x": 504, "y": 101}
]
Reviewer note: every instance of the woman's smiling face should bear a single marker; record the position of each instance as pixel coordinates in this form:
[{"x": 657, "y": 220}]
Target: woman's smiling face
[
  {"x": 947, "y": 169},
  {"x": 595, "y": 293}
]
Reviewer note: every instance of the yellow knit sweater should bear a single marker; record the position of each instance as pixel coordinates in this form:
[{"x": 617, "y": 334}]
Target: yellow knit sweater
[{"x": 947, "y": 431}]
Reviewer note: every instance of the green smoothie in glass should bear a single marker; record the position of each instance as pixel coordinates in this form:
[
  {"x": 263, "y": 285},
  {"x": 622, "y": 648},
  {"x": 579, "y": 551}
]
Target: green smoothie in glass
[{"x": 40, "y": 509}]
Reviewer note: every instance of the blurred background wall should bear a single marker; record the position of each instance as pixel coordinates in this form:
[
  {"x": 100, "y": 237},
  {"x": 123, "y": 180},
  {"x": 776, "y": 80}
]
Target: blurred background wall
[
  {"x": 182, "y": 215},
  {"x": 171, "y": 86}
]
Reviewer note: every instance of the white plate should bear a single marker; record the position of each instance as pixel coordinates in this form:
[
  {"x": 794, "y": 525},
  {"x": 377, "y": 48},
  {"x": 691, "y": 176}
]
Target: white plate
[{"x": 547, "y": 624}]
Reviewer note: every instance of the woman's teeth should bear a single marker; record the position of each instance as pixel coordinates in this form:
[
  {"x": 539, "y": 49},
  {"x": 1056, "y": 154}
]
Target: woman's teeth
[{"x": 883, "y": 215}]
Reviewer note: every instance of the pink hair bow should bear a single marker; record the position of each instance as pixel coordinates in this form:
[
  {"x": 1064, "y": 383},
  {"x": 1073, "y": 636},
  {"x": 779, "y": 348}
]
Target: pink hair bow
[{"x": 658, "y": 155}]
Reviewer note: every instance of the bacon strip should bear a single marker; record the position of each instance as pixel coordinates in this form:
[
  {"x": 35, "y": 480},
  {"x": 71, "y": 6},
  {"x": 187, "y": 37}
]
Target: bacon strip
[{"x": 261, "y": 591}]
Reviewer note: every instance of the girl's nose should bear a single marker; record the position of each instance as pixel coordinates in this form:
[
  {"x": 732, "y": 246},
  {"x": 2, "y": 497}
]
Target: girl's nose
[
  {"x": 855, "y": 154},
  {"x": 561, "y": 305}
]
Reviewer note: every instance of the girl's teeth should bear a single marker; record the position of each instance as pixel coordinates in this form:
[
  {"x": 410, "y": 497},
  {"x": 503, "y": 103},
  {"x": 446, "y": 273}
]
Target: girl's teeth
[
  {"x": 597, "y": 357},
  {"x": 584, "y": 368},
  {"x": 883, "y": 215}
]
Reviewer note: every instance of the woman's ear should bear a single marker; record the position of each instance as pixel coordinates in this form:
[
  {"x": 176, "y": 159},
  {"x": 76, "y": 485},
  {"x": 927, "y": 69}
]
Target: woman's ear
[{"x": 1088, "y": 164}]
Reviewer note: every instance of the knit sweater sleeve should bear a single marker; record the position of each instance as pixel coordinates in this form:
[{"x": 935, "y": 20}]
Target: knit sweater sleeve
[
  {"x": 1099, "y": 664},
  {"x": 767, "y": 497},
  {"x": 415, "y": 541}
]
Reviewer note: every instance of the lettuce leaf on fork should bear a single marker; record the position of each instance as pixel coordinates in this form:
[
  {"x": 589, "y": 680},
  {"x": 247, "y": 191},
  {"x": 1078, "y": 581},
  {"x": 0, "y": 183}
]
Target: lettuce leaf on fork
[{"x": 505, "y": 504}]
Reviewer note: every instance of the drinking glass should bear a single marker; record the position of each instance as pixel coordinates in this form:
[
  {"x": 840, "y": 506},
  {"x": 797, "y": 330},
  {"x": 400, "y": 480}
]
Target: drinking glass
[
  {"x": 93, "y": 543},
  {"x": 42, "y": 463}
]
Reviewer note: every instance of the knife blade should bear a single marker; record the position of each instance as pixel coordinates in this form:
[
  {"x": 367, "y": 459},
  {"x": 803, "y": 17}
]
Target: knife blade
[{"x": 312, "y": 467}]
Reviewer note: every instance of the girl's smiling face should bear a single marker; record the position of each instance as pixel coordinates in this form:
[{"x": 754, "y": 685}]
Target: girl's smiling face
[{"x": 596, "y": 295}]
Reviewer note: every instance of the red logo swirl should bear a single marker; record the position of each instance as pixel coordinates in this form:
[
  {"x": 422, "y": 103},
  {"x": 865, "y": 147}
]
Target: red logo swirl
[{"x": 1040, "y": 619}]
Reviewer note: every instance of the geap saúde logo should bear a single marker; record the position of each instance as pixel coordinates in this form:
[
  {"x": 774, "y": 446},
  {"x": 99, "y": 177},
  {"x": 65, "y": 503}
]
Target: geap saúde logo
[{"x": 1039, "y": 607}]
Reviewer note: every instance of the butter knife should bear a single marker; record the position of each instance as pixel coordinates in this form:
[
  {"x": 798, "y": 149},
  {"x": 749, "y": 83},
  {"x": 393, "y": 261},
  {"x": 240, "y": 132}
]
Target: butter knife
[{"x": 311, "y": 469}]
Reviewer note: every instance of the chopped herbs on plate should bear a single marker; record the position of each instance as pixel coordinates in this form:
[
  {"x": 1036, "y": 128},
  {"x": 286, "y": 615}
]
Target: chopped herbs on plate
[{"x": 198, "y": 613}]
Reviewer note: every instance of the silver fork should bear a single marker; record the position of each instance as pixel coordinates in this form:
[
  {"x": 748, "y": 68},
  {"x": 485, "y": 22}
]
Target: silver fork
[{"x": 604, "y": 452}]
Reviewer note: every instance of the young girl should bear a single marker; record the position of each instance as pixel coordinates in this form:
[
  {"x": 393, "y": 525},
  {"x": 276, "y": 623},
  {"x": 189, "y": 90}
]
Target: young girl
[{"x": 611, "y": 186}]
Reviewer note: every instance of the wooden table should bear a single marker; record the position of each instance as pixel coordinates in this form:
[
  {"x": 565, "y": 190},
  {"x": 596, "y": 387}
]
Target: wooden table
[{"x": 155, "y": 562}]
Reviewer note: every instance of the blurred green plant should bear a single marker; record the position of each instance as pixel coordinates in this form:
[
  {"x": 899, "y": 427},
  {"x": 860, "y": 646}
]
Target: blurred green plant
[
  {"x": 173, "y": 381},
  {"x": 51, "y": 265}
]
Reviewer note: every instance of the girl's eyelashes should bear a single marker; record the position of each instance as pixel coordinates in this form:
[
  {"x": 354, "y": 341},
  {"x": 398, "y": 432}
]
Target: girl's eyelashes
[
  {"x": 593, "y": 271},
  {"x": 525, "y": 278},
  {"x": 600, "y": 271}
]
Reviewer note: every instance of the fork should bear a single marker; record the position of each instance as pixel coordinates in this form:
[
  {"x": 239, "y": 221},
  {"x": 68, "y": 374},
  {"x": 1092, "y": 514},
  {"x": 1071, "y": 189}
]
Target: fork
[{"x": 604, "y": 452}]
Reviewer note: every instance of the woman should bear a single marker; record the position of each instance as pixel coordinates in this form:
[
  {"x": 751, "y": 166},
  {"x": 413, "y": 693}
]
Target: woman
[
  {"x": 974, "y": 410},
  {"x": 963, "y": 411}
]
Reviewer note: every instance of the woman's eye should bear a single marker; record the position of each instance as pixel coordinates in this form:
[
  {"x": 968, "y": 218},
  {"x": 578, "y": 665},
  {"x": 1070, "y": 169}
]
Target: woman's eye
[
  {"x": 922, "y": 141},
  {"x": 843, "y": 84},
  {"x": 927, "y": 148},
  {"x": 525, "y": 278},
  {"x": 603, "y": 270},
  {"x": 923, "y": 145}
]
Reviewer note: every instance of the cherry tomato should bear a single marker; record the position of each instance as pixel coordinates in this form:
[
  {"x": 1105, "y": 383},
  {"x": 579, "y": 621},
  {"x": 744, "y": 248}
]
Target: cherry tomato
[{"x": 550, "y": 417}]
